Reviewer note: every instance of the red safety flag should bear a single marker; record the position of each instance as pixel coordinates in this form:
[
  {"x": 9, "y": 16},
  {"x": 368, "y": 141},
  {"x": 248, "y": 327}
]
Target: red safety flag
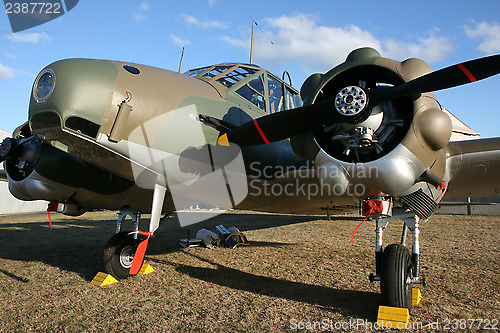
[{"x": 140, "y": 252}]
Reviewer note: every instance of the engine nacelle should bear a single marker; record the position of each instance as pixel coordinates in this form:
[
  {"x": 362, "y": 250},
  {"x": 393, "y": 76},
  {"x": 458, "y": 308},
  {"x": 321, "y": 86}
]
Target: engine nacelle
[
  {"x": 38, "y": 171},
  {"x": 388, "y": 152}
]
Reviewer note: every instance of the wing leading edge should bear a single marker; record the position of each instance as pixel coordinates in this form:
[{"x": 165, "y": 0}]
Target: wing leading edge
[{"x": 474, "y": 168}]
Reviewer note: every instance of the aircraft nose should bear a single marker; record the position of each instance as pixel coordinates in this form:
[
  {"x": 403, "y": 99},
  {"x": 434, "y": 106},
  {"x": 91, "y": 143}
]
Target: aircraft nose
[{"x": 71, "y": 94}]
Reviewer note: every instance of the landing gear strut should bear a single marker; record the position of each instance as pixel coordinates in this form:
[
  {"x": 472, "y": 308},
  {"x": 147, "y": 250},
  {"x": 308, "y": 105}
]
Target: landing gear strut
[{"x": 397, "y": 269}]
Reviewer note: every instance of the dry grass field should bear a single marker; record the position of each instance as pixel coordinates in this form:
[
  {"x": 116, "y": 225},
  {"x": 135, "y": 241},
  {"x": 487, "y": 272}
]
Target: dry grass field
[{"x": 298, "y": 270}]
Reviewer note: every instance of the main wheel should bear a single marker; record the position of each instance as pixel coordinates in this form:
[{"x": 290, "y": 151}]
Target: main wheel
[
  {"x": 119, "y": 254},
  {"x": 396, "y": 277}
]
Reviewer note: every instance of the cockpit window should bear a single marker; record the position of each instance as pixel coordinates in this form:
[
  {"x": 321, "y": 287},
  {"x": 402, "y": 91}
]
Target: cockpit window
[
  {"x": 265, "y": 90},
  {"x": 293, "y": 99},
  {"x": 253, "y": 91},
  {"x": 216, "y": 71},
  {"x": 235, "y": 76},
  {"x": 196, "y": 72},
  {"x": 276, "y": 102}
]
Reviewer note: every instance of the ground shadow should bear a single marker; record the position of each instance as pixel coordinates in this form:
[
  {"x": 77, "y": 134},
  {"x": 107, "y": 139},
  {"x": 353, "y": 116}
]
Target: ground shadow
[
  {"x": 360, "y": 304},
  {"x": 77, "y": 243},
  {"x": 14, "y": 276}
]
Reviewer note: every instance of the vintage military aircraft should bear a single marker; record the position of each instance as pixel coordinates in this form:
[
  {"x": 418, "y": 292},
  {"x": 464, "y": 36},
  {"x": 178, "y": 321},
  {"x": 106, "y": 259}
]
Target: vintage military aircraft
[{"x": 369, "y": 133}]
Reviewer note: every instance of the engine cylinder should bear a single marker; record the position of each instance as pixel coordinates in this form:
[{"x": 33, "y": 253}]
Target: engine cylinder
[{"x": 387, "y": 152}]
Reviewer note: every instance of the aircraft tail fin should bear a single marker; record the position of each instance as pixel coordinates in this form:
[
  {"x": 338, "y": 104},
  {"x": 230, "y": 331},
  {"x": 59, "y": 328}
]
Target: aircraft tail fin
[{"x": 460, "y": 131}]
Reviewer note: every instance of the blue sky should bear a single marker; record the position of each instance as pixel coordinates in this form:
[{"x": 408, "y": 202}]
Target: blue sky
[{"x": 307, "y": 37}]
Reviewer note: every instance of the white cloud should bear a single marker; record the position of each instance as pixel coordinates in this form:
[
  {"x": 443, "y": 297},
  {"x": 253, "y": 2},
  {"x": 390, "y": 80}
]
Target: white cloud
[
  {"x": 432, "y": 48},
  {"x": 211, "y": 3},
  {"x": 207, "y": 24},
  {"x": 25, "y": 73},
  {"x": 10, "y": 55},
  {"x": 235, "y": 42},
  {"x": 32, "y": 37},
  {"x": 139, "y": 15},
  {"x": 179, "y": 41},
  {"x": 487, "y": 33},
  {"x": 300, "y": 39},
  {"x": 6, "y": 72}
]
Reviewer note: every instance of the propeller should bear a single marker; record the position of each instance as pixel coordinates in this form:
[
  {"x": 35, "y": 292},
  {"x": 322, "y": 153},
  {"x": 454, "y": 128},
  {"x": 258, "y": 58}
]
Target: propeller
[
  {"x": 10, "y": 146},
  {"x": 353, "y": 104},
  {"x": 5, "y": 149},
  {"x": 282, "y": 125}
]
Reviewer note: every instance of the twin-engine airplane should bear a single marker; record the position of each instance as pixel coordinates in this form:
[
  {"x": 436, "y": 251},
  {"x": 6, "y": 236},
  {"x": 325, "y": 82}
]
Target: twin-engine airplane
[{"x": 369, "y": 133}]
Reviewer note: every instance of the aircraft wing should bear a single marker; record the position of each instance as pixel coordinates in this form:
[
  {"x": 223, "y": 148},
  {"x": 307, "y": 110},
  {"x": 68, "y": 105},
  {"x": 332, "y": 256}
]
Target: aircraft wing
[
  {"x": 474, "y": 167},
  {"x": 463, "y": 203}
]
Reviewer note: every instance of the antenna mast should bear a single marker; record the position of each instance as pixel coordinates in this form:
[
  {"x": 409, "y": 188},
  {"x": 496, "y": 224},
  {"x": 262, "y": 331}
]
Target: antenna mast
[
  {"x": 182, "y": 57},
  {"x": 251, "y": 44}
]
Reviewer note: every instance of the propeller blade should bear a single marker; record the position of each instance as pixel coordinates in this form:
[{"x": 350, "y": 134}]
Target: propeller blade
[
  {"x": 353, "y": 104},
  {"x": 285, "y": 124},
  {"x": 277, "y": 126},
  {"x": 449, "y": 77}
]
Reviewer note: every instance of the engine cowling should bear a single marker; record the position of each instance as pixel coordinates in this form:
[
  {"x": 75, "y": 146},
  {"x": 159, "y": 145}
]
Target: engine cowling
[
  {"x": 387, "y": 153},
  {"x": 39, "y": 171},
  {"x": 35, "y": 169}
]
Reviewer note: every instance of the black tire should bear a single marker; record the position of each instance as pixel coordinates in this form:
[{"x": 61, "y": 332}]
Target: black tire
[
  {"x": 396, "y": 277},
  {"x": 119, "y": 254}
]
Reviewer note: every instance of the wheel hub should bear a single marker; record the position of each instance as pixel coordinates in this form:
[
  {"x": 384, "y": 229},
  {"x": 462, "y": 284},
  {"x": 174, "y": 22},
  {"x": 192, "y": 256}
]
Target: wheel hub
[
  {"x": 127, "y": 256},
  {"x": 351, "y": 100}
]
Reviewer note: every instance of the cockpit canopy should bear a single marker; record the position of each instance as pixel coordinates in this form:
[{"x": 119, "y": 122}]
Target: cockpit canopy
[{"x": 256, "y": 85}]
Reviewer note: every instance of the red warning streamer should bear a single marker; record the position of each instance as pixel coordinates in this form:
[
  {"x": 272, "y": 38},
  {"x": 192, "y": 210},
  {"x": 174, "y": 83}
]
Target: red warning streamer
[
  {"x": 50, "y": 220},
  {"x": 52, "y": 207},
  {"x": 140, "y": 252},
  {"x": 359, "y": 225},
  {"x": 375, "y": 206}
]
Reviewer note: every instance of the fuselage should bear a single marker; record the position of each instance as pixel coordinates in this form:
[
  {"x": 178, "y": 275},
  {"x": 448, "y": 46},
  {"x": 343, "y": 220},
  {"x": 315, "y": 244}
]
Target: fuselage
[
  {"x": 100, "y": 115},
  {"x": 106, "y": 132}
]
